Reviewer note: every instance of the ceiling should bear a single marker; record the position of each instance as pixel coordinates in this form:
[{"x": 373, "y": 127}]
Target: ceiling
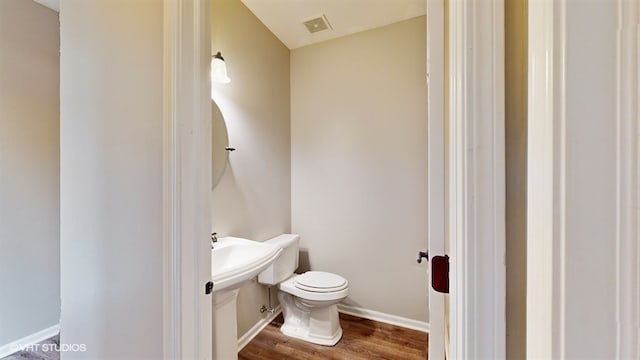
[
  {"x": 51, "y": 4},
  {"x": 285, "y": 18}
]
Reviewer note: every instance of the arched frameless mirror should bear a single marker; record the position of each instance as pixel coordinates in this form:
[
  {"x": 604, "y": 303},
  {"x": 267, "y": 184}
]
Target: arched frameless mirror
[{"x": 220, "y": 142}]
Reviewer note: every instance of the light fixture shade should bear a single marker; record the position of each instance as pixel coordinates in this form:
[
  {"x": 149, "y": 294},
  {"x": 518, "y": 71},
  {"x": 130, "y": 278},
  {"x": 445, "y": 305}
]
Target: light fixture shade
[{"x": 219, "y": 70}]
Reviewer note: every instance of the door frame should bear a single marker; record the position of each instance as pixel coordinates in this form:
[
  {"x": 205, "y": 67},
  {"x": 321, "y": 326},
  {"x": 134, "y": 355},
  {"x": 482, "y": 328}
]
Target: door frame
[
  {"x": 476, "y": 181},
  {"x": 628, "y": 226},
  {"x": 546, "y": 208},
  {"x": 545, "y": 104},
  {"x": 187, "y": 309},
  {"x": 475, "y": 173},
  {"x": 470, "y": 133}
]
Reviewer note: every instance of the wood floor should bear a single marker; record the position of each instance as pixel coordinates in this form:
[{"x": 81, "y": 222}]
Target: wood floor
[{"x": 362, "y": 339}]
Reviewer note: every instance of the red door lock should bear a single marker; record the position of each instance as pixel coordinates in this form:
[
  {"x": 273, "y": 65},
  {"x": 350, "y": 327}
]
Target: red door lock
[{"x": 440, "y": 273}]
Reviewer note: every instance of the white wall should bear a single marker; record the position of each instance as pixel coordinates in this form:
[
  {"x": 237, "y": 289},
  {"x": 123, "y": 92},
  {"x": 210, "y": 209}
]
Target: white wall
[
  {"x": 589, "y": 260},
  {"x": 359, "y": 163},
  {"x": 29, "y": 169},
  {"x": 111, "y": 177},
  {"x": 253, "y": 197}
]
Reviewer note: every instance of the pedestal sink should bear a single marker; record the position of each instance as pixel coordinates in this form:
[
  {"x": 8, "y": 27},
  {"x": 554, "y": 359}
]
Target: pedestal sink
[{"x": 234, "y": 262}]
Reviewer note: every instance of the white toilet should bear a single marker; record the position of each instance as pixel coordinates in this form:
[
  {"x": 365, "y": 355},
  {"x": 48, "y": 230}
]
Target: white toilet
[{"x": 309, "y": 301}]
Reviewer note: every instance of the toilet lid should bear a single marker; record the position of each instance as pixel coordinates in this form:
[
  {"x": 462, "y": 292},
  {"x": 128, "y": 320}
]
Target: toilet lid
[{"x": 320, "y": 281}]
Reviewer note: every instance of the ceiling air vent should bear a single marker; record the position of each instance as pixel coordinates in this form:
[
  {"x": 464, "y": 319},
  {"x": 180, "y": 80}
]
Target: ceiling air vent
[{"x": 317, "y": 24}]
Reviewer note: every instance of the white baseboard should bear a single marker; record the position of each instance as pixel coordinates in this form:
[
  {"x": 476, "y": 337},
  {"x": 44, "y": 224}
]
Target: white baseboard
[
  {"x": 255, "y": 330},
  {"x": 384, "y": 318},
  {"x": 12, "y": 347},
  {"x": 351, "y": 310}
]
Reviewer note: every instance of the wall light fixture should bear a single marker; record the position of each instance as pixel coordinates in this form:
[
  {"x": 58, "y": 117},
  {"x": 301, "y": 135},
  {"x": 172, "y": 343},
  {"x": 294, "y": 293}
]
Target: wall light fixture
[{"x": 219, "y": 69}]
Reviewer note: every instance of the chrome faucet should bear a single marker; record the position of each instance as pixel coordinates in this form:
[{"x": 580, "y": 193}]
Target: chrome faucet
[{"x": 214, "y": 239}]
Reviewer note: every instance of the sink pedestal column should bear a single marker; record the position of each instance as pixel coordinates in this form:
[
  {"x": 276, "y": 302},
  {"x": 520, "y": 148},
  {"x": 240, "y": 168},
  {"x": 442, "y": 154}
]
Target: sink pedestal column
[{"x": 225, "y": 326}]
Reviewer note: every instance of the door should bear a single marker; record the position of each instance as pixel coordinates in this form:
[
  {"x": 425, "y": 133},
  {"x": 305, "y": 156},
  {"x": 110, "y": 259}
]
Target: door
[{"x": 436, "y": 169}]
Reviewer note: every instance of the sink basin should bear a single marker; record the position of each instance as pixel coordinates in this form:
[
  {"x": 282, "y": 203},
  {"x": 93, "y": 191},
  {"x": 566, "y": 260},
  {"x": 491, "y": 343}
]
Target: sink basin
[{"x": 237, "y": 260}]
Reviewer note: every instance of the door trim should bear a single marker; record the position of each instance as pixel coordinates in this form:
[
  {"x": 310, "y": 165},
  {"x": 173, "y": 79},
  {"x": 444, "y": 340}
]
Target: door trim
[
  {"x": 546, "y": 208},
  {"x": 186, "y": 180},
  {"x": 477, "y": 179},
  {"x": 545, "y": 154},
  {"x": 628, "y": 181}
]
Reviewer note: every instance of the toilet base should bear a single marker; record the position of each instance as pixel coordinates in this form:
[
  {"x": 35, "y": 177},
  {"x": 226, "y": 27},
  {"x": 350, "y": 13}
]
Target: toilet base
[
  {"x": 311, "y": 321},
  {"x": 303, "y": 334}
]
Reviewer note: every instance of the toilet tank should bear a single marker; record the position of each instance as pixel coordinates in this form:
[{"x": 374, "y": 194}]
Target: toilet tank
[{"x": 285, "y": 264}]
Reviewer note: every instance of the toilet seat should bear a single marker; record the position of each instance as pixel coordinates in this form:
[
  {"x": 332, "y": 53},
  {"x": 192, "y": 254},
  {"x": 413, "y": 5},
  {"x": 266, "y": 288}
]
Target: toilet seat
[
  {"x": 320, "y": 281},
  {"x": 316, "y": 292}
]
